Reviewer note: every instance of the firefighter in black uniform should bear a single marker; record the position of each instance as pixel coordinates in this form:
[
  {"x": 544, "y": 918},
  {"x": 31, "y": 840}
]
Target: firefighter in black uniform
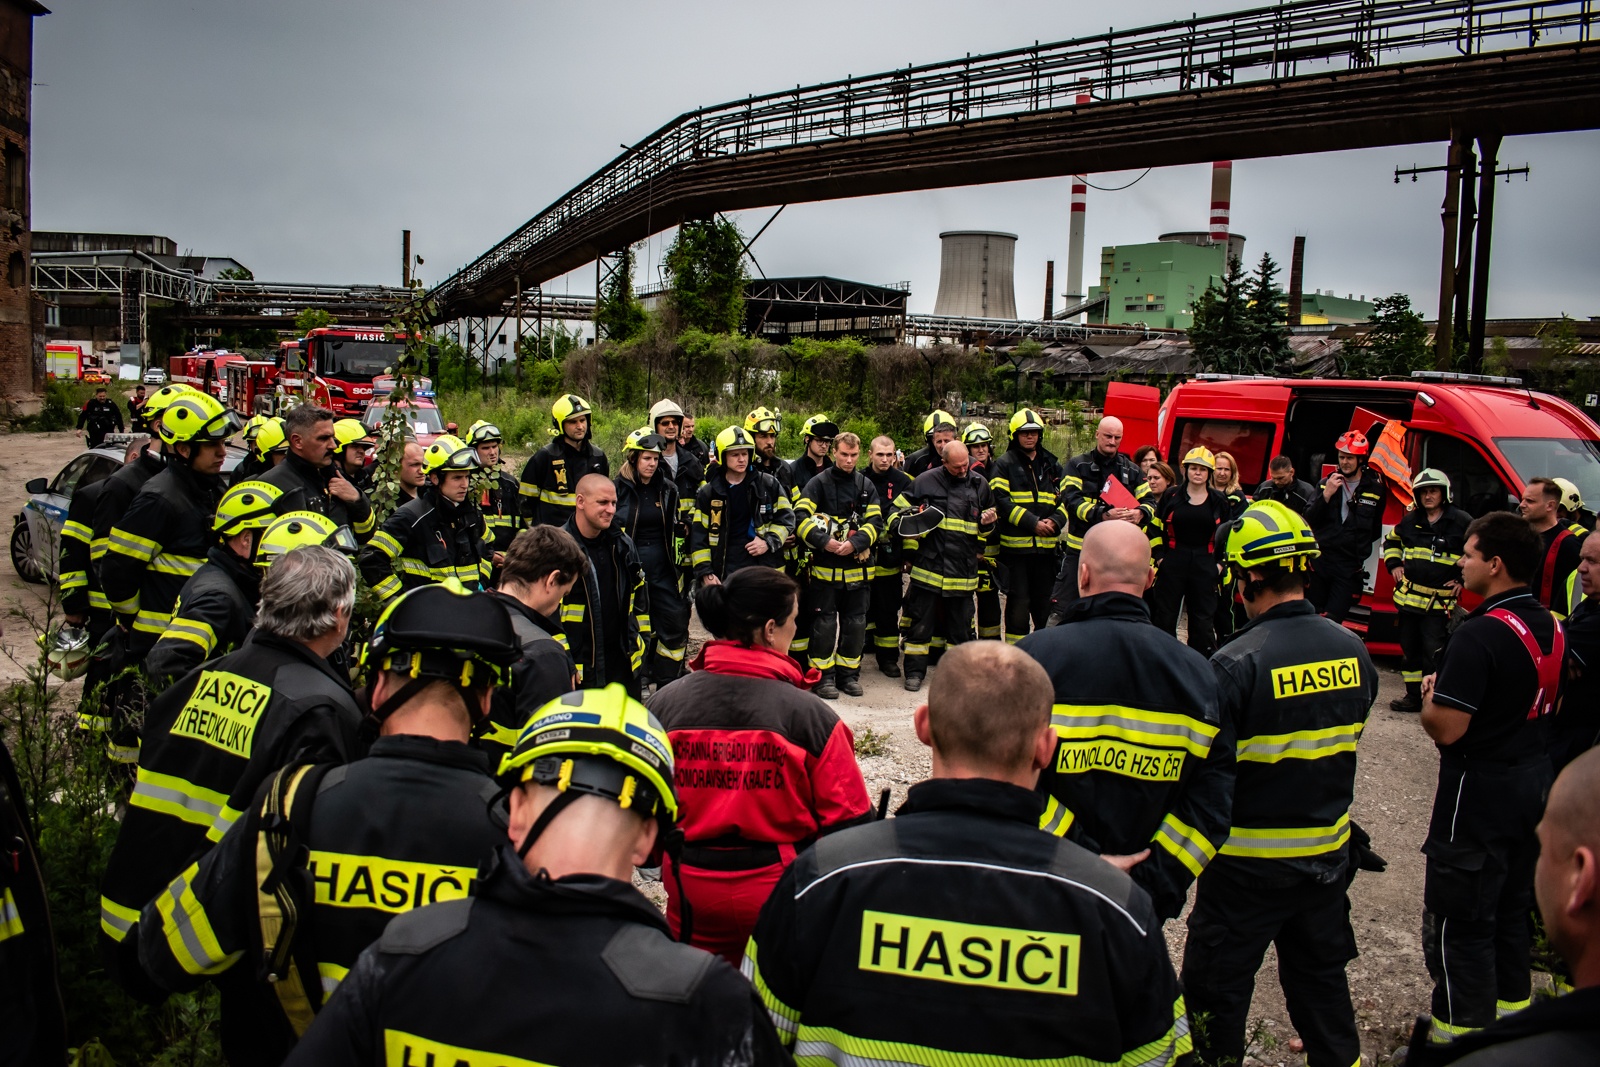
[
  {"x": 224, "y": 729},
  {"x": 217, "y": 607},
  {"x": 99, "y": 417},
  {"x": 957, "y": 933},
  {"x": 437, "y": 535},
  {"x": 816, "y": 437},
  {"x": 32, "y": 1012},
  {"x": 556, "y": 958},
  {"x": 1497, "y": 682},
  {"x": 944, "y": 570},
  {"x": 159, "y": 543},
  {"x": 647, "y": 511},
  {"x": 1423, "y": 554},
  {"x": 1083, "y": 480},
  {"x": 542, "y": 565},
  {"x": 494, "y": 490},
  {"x": 938, "y": 430},
  {"x": 1297, "y": 689},
  {"x": 1347, "y": 517},
  {"x": 991, "y": 575},
  {"x": 742, "y": 516},
  {"x": 311, "y": 477},
  {"x": 1025, "y": 480},
  {"x": 887, "y": 585},
  {"x": 1281, "y": 485},
  {"x": 1145, "y": 759},
  {"x": 137, "y": 423},
  {"x": 686, "y": 469},
  {"x": 351, "y": 846},
  {"x": 1577, "y": 728},
  {"x": 763, "y": 425},
  {"x": 86, "y": 613},
  {"x": 841, "y": 520},
  {"x": 552, "y": 474},
  {"x": 351, "y": 443},
  {"x": 606, "y": 616}
]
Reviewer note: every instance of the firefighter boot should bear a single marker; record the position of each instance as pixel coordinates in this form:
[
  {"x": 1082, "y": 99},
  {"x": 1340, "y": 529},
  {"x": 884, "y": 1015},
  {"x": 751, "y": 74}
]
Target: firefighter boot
[{"x": 825, "y": 688}]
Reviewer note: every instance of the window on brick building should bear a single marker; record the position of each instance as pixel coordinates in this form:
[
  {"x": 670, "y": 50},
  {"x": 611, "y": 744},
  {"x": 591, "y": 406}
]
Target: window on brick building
[
  {"x": 16, "y": 272},
  {"x": 16, "y": 179}
]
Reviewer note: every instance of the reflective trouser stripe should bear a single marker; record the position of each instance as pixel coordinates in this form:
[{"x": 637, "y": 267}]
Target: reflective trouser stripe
[
  {"x": 1442, "y": 1033},
  {"x": 115, "y": 919},
  {"x": 1502, "y": 1008},
  {"x": 1287, "y": 842}
]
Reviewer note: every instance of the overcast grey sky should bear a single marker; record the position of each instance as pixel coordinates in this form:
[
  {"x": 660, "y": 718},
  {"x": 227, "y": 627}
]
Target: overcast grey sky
[{"x": 300, "y": 137}]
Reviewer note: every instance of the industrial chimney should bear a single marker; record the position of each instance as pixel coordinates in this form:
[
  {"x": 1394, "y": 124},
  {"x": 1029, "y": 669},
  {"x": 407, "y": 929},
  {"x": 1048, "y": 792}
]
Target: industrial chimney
[
  {"x": 975, "y": 275},
  {"x": 1297, "y": 281},
  {"x": 1075, "y": 223},
  {"x": 1221, "y": 195}
]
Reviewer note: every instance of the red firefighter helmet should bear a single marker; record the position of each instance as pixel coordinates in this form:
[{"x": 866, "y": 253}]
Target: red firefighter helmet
[{"x": 1352, "y": 443}]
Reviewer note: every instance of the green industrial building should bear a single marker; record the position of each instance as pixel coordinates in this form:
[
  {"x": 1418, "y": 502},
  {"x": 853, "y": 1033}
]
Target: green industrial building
[{"x": 1158, "y": 284}]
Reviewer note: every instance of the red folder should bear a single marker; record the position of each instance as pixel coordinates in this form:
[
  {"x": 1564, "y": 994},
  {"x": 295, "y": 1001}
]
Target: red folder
[{"x": 1117, "y": 495}]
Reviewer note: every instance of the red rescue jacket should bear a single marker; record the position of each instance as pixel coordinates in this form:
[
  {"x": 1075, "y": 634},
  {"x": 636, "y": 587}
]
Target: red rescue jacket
[{"x": 761, "y": 760}]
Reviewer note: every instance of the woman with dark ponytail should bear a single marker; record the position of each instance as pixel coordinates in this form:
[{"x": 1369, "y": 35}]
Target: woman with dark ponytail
[{"x": 764, "y": 766}]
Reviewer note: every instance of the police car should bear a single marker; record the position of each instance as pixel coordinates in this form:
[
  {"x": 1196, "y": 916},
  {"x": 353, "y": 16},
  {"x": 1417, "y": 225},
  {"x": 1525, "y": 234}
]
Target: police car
[{"x": 36, "y": 537}]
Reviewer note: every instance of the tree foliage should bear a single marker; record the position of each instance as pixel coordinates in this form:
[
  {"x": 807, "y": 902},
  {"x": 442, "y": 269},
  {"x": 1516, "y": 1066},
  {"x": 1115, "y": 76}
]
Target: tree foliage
[
  {"x": 1396, "y": 344},
  {"x": 1242, "y": 326},
  {"x": 312, "y": 319},
  {"x": 619, "y": 316},
  {"x": 706, "y": 275}
]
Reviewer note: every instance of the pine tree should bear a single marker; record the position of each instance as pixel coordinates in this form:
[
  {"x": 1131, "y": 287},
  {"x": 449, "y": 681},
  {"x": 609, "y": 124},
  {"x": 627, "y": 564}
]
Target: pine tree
[
  {"x": 1268, "y": 318},
  {"x": 1395, "y": 344},
  {"x": 1221, "y": 330}
]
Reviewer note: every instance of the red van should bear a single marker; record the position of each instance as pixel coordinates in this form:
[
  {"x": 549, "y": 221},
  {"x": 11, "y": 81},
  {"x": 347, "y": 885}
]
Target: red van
[{"x": 1490, "y": 435}]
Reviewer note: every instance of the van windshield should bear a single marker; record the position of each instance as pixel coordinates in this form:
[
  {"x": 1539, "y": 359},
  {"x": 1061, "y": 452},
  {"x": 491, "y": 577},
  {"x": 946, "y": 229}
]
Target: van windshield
[{"x": 1556, "y": 457}]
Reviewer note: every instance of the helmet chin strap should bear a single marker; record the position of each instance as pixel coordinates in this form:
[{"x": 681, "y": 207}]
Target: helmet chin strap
[{"x": 557, "y": 806}]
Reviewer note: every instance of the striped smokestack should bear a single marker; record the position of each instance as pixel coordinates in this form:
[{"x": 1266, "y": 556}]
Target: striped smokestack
[
  {"x": 1080, "y": 198},
  {"x": 1221, "y": 194}
]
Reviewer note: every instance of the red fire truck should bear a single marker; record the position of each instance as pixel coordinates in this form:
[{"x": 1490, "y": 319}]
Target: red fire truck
[
  {"x": 346, "y": 359},
  {"x": 205, "y": 369},
  {"x": 1490, "y": 435}
]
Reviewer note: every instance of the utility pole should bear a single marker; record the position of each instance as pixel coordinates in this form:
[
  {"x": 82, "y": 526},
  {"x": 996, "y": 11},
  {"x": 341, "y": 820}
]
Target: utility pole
[{"x": 1467, "y": 219}]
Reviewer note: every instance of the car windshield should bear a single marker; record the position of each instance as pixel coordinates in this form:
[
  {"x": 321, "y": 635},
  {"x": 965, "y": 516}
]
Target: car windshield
[
  {"x": 1556, "y": 457},
  {"x": 421, "y": 420}
]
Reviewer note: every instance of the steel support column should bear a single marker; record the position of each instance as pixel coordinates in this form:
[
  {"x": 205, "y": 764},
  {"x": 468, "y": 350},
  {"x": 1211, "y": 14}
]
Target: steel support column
[
  {"x": 1443, "y": 352},
  {"x": 1488, "y": 151}
]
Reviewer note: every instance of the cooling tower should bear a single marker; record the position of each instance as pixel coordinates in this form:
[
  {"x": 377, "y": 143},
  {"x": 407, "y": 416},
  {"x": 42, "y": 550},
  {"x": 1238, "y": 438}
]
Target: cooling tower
[{"x": 975, "y": 275}]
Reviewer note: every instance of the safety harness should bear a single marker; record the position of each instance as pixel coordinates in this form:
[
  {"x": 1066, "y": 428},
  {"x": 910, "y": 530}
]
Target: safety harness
[
  {"x": 283, "y": 821},
  {"x": 1546, "y": 664}
]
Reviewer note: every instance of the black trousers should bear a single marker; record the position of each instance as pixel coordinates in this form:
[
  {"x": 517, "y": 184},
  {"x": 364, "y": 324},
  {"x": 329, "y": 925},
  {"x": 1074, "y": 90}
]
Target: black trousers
[
  {"x": 1225, "y": 622},
  {"x": 991, "y": 579},
  {"x": 883, "y": 617},
  {"x": 1335, "y": 587},
  {"x": 669, "y": 613},
  {"x": 1029, "y": 578},
  {"x": 1188, "y": 576},
  {"x": 1477, "y": 892},
  {"x": 934, "y": 615},
  {"x": 1422, "y": 636},
  {"x": 1066, "y": 587},
  {"x": 1236, "y": 915},
  {"x": 839, "y": 630},
  {"x": 800, "y": 647}
]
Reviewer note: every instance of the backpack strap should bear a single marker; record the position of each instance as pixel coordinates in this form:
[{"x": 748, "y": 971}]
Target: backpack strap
[
  {"x": 1547, "y": 576},
  {"x": 283, "y": 820},
  {"x": 1546, "y": 664}
]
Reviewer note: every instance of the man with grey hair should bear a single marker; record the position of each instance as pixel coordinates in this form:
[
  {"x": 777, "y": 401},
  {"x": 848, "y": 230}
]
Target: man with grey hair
[{"x": 216, "y": 735}]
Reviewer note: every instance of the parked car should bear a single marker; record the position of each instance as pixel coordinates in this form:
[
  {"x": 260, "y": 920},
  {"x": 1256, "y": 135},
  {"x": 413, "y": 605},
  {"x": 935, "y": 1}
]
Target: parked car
[
  {"x": 36, "y": 537},
  {"x": 155, "y": 376},
  {"x": 96, "y": 377},
  {"x": 422, "y": 418}
]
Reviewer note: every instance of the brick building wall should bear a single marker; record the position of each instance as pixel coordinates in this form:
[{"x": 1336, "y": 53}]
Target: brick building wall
[{"x": 21, "y": 322}]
